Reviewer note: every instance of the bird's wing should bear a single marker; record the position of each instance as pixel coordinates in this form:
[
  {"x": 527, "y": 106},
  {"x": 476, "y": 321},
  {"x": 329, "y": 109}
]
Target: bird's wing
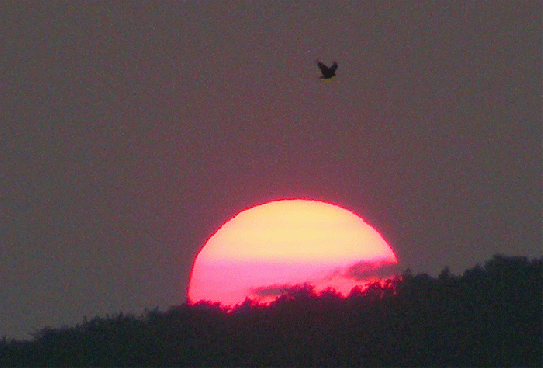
[{"x": 323, "y": 67}]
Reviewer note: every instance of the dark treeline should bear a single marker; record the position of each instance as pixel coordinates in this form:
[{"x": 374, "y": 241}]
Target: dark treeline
[{"x": 489, "y": 316}]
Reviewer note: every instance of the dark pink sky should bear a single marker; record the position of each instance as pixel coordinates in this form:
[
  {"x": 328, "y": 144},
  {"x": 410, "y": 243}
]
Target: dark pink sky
[{"x": 131, "y": 131}]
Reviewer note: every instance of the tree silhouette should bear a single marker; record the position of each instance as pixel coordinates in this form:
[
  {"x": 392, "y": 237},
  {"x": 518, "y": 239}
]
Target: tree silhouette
[{"x": 488, "y": 316}]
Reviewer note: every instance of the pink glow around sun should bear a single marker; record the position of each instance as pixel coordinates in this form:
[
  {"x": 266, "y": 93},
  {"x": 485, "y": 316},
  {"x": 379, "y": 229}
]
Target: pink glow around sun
[{"x": 280, "y": 244}]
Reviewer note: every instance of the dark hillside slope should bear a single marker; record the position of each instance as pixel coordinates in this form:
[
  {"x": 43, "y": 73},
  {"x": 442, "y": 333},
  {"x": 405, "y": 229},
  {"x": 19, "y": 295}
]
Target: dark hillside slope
[{"x": 489, "y": 316}]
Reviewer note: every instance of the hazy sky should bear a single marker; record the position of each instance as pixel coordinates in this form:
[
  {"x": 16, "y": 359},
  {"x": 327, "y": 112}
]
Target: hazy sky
[{"x": 130, "y": 131}]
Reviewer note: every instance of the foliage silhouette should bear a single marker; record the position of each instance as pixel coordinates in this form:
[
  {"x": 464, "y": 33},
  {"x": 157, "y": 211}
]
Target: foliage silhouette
[{"x": 489, "y": 316}]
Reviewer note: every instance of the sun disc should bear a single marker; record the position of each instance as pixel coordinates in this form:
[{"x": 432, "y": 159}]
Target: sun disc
[{"x": 287, "y": 243}]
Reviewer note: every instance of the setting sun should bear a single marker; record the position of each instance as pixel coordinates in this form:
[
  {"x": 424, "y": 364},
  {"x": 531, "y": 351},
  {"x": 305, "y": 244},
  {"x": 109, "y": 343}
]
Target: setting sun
[{"x": 268, "y": 248}]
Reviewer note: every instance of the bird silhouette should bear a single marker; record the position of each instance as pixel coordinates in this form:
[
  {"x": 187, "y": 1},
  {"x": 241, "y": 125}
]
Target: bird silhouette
[{"x": 327, "y": 72}]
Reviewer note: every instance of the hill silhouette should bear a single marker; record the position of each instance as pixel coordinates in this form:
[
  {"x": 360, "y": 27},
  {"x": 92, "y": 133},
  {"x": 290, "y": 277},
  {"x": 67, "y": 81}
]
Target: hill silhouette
[{"x": 491, "y": 315}]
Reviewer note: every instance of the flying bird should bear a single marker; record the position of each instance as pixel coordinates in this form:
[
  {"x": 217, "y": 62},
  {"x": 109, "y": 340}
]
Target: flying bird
[{"x": 327, "y": 72}]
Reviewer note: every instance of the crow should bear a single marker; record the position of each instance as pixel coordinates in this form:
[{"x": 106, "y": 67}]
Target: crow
[{"x": 327, "y": 72}]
